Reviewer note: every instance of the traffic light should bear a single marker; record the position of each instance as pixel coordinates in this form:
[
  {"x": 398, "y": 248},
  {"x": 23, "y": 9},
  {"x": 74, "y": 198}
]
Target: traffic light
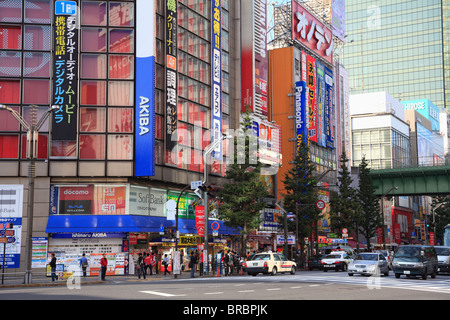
[{"x": 212, "y": 189}]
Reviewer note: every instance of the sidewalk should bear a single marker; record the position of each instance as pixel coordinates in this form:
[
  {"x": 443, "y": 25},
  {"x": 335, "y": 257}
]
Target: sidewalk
[{"x": 41, "y": 280}]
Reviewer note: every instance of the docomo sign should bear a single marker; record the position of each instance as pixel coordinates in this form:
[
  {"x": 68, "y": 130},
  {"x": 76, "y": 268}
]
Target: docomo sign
[{"x": 312, "y": 33}]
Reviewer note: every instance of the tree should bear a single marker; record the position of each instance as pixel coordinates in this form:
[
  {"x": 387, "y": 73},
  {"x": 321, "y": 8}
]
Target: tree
[
  {"x": 345, "y": 206},
  {"x": 242, "y": 197},
  {"x": 301, "y": 193},
  {"x": 370, "y": 217},
  {"x": 441, "y": 207}
]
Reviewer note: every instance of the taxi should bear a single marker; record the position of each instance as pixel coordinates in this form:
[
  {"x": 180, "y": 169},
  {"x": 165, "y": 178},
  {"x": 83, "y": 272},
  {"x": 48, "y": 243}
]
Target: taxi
[{"x": 269, "y": 263}]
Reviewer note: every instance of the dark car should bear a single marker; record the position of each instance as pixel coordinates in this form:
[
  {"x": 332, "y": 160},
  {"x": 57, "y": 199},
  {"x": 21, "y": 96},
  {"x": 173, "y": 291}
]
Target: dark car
[
  {"x": 315, "y": 262},
  {"x": 415, "y": 261}
]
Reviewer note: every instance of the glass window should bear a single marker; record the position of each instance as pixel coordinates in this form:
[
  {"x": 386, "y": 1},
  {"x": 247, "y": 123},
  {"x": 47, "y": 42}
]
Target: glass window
[
  {"x": 93, "y": 13},
  {"x": 92, "y": 147},
  {"x": 121, "y": 14},
  {"x": 40, "y": 111},
  {"x": 120, "y": 120},
  {"x": 8, "y": 122},
  {"x": 36, "y": 64},
  {"x": 93, "y": 93},
  {"x": 65, "y": 149},
  {"x": 11, "y": 11},
  {"x": 37, "y": 11},
  {"x": 10, "y": 37},
  {"x": 9, "y": 146},
  {"x": 10, "y": 64},
  {"x": 93, "y": 39},
  {"x": 93, "y": 66},
  {"x": 36, "y": 91},
  {"x": 121, "y": 40},
  {"x": 121, "y": 67},
  {"x": 120, "y": 93},
  {"x": 92, "y": 119},
  {"x": 120, "y": 147},
  {"x": 37, "y": 38},
  {"x": 42, "y": 147},
  {"x": 10, "y": 91}
]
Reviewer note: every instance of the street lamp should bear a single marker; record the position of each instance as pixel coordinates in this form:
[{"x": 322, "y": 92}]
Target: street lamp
[
  {"x": 382, "y": 214},
  {"x": 32, "y": 139},
  {"x": 208, "y": 150}
]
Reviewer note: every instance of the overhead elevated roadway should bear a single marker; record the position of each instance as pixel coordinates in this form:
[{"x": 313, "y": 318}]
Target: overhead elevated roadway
[{"x": 428, "y": 180}]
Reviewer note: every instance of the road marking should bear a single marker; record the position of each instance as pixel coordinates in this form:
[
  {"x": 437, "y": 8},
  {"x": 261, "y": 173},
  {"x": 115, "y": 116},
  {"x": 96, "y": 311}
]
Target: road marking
[
  {"x": 163, "y": 294},
  {"x": 298, "y": 287},
  {"x": 244, "y": 291},
  {"x": 273, "y": 289},
  {"x": 213, "y": 292},
  {"x": 314, "y": 285}
]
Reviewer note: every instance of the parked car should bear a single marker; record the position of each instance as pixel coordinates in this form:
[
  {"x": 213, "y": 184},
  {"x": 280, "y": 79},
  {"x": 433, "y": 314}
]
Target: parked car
[
  {"x": 337, "y": 260},
  {"x": 415, "y": 260},
  {"x": 269, "y": 262},
  {"x": 443, "y": 255},
  {"x": 315, "y": 262},
  {"x": 369, "y": 264}
]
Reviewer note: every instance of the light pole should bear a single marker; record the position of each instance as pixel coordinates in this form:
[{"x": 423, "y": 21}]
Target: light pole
[
  {"x": 32, "y": 139},
  {"x": 208, "y": 150},
  {"x": 382, "y": 214}
]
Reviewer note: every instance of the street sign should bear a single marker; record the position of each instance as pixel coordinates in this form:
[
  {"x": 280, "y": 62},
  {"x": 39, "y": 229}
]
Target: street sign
[
  {"x": 344, "y": 230},
  {"x": 320, "y": 204},
  {"x": 195, "y": 184}
]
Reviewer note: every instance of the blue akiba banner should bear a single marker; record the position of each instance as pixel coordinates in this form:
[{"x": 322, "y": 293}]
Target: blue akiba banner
[
  {"x": 321, "y": 105},
  {"x": 301, "y": 112},
  {"x": 216, "y": 45},
  {"x": 145, "y": 89},
  {"x": 328, "y": 108}
]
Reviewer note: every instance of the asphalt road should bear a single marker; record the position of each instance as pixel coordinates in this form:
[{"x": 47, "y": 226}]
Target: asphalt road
[{"x": 303, "y": 285}]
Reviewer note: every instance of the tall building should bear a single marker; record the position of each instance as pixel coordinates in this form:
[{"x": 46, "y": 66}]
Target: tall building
[
  {"x": 145, "y": 86},
  {"x": 400, "y": 47}
]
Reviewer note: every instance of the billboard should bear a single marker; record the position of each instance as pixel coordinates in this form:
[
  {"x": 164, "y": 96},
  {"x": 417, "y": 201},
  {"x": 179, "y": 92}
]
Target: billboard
[
  {"x": 311, "y": 76},
  {"x": 311, "y": 32},
  {"x": 301, "y": 113},
  {"x": 321, "y": 104},
  {"x": 426, "y": 108},
  {"x": 145, "y": 89},
  {"x": 216, "y": 94},
  {"x": 328, "y": 109},
  {"x": 65, "y": 71},
  {"x": 254, "y": 56}
]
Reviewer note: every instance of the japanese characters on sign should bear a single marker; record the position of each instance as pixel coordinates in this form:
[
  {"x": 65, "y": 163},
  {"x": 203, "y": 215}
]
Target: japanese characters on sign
[
  {"x": 171, "y": 74},
  {"x": 301, "y": 113},
  {"x": 328, "y": 108},
  {"x": 216, "y": 77},
  {"x": 312, "y": 33},
  {"x": 65, "y": 73},
  {"x": 311, "y": 83}
]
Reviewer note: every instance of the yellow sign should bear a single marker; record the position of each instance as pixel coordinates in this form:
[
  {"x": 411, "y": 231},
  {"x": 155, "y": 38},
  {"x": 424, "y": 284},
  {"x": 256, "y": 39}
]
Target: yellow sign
[{"x": 188, "y": 241}]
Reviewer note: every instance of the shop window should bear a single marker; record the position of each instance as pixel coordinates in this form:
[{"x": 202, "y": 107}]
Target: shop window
[
  {"x": 120, "y": 93},
  {"x": 121, "y": 67},
  {"x": 37, "y": 11},
  {"x": 8, "y": 122},
  {"x": 64, "y": 149},
  {"x": 92, "y": 147},
  {"x": 10, "y": 64},
  {"x": 10, "y": 37},
  {"x": 120, "y": 120},
  {"x": 11, "y": 11},
  {"x": 92, "y": 119},
  {"x": 93, "y": 39},
  {"x": 93, "y": 66},
  {"x": 121, "y": 14},
  {"x": 42, "y": 147},
  {"x": 36, "y": 64},
  {"x": 9, "y": 146},
  {"x": 36, "y": 91},
  {"x": 37, "y": 38},
  {"x": 121, "y": 40},
  {"x": 93, "y": 13},
  {"x": 93, "y": 93},
  {"x": 9, "y": 91}
]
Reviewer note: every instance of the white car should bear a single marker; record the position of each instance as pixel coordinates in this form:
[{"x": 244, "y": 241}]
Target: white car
[
  {"x": 336, "y": 260},
  {"x": 269, "y": 262},
  {"x": 369, "y": 264}
]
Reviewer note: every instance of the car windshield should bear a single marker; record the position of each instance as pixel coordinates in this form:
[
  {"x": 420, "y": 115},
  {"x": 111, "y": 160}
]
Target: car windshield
[
  {"x": 261, "y": 257},
  {"x": 442, "y": 251},
  {"x": 332, "y": 256},
  {"x": 367, "y": 256},
  {"x": 408, "y": 254}
]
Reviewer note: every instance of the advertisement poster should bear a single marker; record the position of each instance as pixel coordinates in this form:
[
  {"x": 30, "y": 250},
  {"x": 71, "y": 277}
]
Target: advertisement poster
[
  {"x": 109, "y": 199},
  {"x": 328, "y": 109},
  {"x": 216, "y": 93},
  {"x": 321, "y": 105},
  {"x": 301, "y": 113},
  {"x": 200, "y": 220},
  {"x": 39, "y": 252},
  {"x": 75, "y": 200},
  {"x": 311, "y": 83},
  {"x": 65, "y": 72}
]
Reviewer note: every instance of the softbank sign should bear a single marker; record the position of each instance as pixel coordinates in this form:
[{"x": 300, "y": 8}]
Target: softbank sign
[{"x": 262, "y": 139}]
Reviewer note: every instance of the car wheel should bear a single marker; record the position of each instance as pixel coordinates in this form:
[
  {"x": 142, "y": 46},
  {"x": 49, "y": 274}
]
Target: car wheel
[
  {"x": 344, "y": 267},
  {"x": 425, "y": 274},
  {"x": 350, "y": 274},
  {"x": 293, "y": 270},
  {"x": 397, "y": 275},
  {"x": 433, "y": 275},
  {"x": 274, "y": 271},
  {"x": 387, "y": 272}
]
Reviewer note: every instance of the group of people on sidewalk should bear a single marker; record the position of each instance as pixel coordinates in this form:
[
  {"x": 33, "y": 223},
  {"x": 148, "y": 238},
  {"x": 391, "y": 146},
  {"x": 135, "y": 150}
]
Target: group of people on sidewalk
[{"x": 146, "y": 261}]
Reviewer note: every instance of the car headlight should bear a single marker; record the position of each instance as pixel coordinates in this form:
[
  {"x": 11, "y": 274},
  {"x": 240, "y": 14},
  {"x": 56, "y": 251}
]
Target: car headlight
[
  {"x": 418, "y": 265},
  {"x": 395, "y": 264}
]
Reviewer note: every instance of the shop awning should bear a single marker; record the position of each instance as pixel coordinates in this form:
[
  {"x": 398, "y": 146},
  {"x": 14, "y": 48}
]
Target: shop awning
[{"x": 125, "y": 223}]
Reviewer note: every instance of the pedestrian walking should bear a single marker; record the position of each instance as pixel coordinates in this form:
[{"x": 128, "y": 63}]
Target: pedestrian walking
[
  {"x": 140, "y": 266},
  {"x": 166, "y": 262},
  {"x": 52, "y": 265},
  {"x": 84, "y": 264},
  {"x": 192, "y": 263},
  {"x": 103, "y": 264},
  {"x": 148, "y": 263}
]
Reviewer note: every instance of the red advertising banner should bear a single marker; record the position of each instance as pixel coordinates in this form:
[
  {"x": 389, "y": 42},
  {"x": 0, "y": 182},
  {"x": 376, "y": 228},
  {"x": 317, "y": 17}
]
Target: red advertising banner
[
  {"x": 311, "y": 84},
  {"x": 432, "y": 242},
  {"x": 312, "y": 33},
  {"x": 397, "y": 233},
  {"x": 200, "y": 220},
  {"x": 109, "y": 200}
]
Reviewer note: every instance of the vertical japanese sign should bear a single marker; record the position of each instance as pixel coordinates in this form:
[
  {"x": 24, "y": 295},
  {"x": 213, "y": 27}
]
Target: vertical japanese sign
[
  {"x": 321, "y": 104},
  {"x": 171, "y": 74},
  {"x": 65, "y": 70},
  {"x": 216, "y": 27},
  {"x": 311, "y": 83},
  {"x": 301, "y": 113},
  {"x": 145, "y": 89},
  {"x": 328, "y": 108},
  {"x": 200, "y": 220}
]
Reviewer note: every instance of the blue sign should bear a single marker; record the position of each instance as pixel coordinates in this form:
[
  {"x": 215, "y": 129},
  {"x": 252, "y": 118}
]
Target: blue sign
[
  {"x": 328, "y": 108},
  {"x": 301, "y": 112},
  {"x": 65, "y": 8}
]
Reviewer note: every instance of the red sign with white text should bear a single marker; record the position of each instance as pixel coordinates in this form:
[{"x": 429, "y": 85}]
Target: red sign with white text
[
  {"x": 200, "y": 220},
  {"x": 309, "y": 31}
]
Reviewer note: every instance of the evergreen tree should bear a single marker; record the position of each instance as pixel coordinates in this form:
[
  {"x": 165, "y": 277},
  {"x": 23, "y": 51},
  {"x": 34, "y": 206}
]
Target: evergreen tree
[
  {"x": 371, "y": 217},
  {"x": 243, "y": 196},
  {"x": 345, "y": 207},
  {"x": 301, "y": 193},
  {"x": 441, "y": 207}
]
